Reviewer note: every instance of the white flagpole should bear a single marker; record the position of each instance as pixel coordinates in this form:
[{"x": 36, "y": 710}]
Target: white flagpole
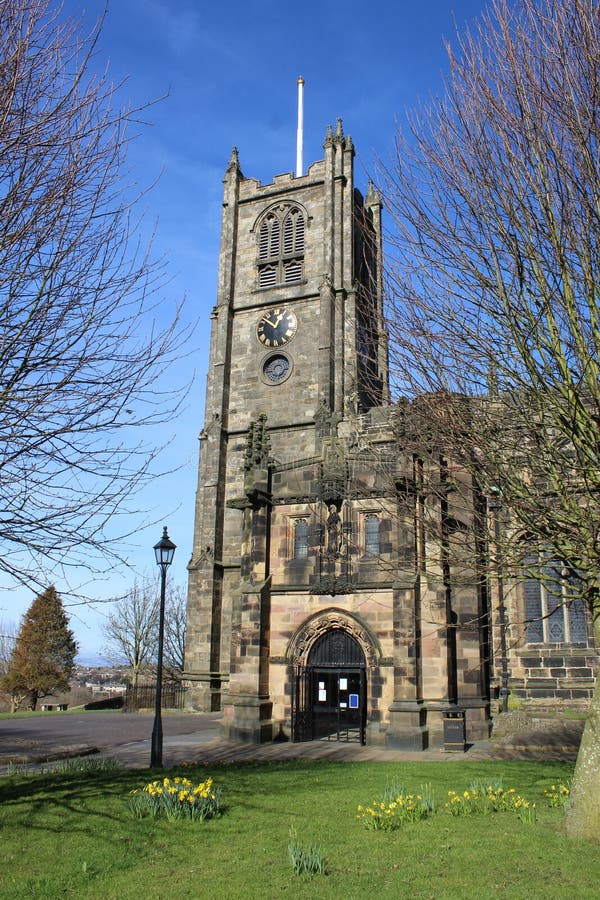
[{"x": 300, "y": 132}]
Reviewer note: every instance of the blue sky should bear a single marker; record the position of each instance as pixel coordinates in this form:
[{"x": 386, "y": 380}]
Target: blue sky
[{"x": 229, "y": 71}]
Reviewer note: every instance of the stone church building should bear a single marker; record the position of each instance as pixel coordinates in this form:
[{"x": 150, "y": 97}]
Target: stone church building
[{"x": 334, "y": 590}]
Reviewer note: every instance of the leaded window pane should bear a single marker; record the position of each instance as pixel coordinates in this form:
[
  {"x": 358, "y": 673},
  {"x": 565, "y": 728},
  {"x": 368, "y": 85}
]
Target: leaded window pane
[
  {"x": 533, "y": 611},
  {"x": 372, "y": 535},
  {"x": 577, "y": 621},
  {"x": 552, "y": 574},
  {"x": 300, "y": 539},
  {"x": 556, "y": 621},
  {"x": 555, "y": 612}
]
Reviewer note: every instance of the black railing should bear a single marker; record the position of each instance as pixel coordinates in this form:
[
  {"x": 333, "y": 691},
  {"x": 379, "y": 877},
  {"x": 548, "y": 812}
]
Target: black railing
[{"x": 142, "y": 696}]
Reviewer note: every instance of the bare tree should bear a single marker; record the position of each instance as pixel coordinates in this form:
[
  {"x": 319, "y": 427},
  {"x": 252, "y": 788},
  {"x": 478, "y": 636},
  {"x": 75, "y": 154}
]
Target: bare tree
[
  {"x": 131, "y": 630},
  {"x": 8, "y": 636},
  {"x": 495, "y": 196},
  {"x": 82, "y": 337},
  {"x": 175, "y": 630}
]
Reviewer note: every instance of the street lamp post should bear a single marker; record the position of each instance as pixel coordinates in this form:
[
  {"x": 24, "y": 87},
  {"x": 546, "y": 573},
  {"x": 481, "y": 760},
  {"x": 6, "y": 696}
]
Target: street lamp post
[{"x": 164, "y": 552}]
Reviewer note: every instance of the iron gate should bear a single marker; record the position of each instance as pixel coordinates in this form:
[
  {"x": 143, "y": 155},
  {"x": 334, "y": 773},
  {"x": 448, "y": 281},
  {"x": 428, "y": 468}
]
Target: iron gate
[{"x": 329, "y": 694}]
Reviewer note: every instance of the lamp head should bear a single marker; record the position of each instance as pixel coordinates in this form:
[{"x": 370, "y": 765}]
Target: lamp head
[{"x": 164, "y": 550}]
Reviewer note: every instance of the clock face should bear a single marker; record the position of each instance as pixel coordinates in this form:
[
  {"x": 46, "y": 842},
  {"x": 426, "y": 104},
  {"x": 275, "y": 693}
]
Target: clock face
[{"x": 277, "y": 327}]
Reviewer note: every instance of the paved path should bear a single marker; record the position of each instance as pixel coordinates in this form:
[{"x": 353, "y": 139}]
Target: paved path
[
  {"x": 194, "y": 737},
  {"x": 56, "y": 735}
]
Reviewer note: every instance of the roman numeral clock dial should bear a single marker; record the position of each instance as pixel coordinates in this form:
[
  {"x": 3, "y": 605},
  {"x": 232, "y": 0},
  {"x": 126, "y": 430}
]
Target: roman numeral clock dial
[{"x": 276, "y": 327}]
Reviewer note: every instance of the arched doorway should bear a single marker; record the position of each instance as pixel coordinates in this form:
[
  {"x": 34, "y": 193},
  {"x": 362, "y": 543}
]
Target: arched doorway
[{"x": 329, "y": 693}]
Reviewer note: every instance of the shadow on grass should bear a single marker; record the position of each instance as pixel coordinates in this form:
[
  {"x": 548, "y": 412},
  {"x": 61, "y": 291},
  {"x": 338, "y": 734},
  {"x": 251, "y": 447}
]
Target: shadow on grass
[{"x": 72, "y": 802}]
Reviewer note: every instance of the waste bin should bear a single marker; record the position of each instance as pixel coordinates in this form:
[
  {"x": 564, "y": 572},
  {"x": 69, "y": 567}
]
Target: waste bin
[{"x": 454, "y": 730}]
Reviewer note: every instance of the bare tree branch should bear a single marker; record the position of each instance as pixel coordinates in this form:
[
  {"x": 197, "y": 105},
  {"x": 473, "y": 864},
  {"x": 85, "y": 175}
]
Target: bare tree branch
[
  {"x": 8, "y": 636},
  {"x": 495, "y": 285},
  {"x": 83, "y": 337},
  {"x": 131, "y": 631},
  {"x": 175, "y": 631}
]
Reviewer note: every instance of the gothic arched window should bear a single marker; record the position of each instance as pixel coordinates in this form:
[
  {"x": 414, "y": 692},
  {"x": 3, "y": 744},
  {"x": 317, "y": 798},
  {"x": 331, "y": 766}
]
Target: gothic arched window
[
  {"x": 553, "y": 612},
  {"x": 372, "y": 535},
  {"x": 300, "y": 539},
  {"x": 281, "y": 247}
]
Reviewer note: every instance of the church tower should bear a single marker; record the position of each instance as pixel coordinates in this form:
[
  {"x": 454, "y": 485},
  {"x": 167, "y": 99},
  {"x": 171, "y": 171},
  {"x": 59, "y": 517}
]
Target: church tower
[
  {"x": 322, "y": 601},
  {"x": 297, "y": 337}
]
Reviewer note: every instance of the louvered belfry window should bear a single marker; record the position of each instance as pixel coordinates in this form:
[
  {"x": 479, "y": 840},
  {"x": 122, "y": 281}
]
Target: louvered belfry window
[{"x": 281, "y": 247}]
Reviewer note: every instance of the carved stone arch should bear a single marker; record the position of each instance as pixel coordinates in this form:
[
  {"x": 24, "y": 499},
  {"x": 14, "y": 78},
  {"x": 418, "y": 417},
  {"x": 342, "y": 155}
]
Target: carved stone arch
[{"x": 316, "y": 626}]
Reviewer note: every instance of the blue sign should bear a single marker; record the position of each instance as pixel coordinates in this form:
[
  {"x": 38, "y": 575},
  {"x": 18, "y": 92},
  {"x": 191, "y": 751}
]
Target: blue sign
[{"x": 353, "y": 701}]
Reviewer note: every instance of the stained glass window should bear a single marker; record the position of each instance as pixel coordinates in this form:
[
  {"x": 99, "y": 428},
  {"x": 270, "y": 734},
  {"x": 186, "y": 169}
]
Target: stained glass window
[
  {"x": 372, "y": 536},
  {"x": 554, "y": 613},
  {"x": 300, "y": 539}
]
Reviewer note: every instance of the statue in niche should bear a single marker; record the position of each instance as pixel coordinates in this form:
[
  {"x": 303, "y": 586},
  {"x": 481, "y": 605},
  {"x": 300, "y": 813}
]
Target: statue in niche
[{"x": 334, "y": 531}]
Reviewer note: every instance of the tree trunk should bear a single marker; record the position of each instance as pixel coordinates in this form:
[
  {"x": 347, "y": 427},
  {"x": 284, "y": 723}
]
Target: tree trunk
[{"x": 583, "y": 813}]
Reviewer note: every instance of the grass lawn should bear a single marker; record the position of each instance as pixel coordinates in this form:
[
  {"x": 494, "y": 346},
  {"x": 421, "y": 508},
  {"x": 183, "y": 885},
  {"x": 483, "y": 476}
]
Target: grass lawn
[{"x": 73, "y": 835}]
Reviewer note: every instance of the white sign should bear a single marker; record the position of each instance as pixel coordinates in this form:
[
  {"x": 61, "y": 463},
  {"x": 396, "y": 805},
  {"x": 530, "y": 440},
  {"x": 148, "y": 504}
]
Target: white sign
[{"x": 343, "y": 684}]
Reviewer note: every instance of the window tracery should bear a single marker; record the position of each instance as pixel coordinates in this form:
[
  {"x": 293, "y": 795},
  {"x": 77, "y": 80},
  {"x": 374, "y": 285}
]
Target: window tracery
[
  {"x": 281, "y": 247},
  {"x": 553, "y": 612}
]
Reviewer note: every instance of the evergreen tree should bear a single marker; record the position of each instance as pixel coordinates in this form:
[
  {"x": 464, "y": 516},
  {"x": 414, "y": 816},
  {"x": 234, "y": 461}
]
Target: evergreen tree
[{"x": 44, "y": 652}]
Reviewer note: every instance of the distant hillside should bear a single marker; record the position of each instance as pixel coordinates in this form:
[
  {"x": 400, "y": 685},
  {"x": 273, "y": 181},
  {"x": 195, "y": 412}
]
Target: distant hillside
[{"x": 91, "y": 660}]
